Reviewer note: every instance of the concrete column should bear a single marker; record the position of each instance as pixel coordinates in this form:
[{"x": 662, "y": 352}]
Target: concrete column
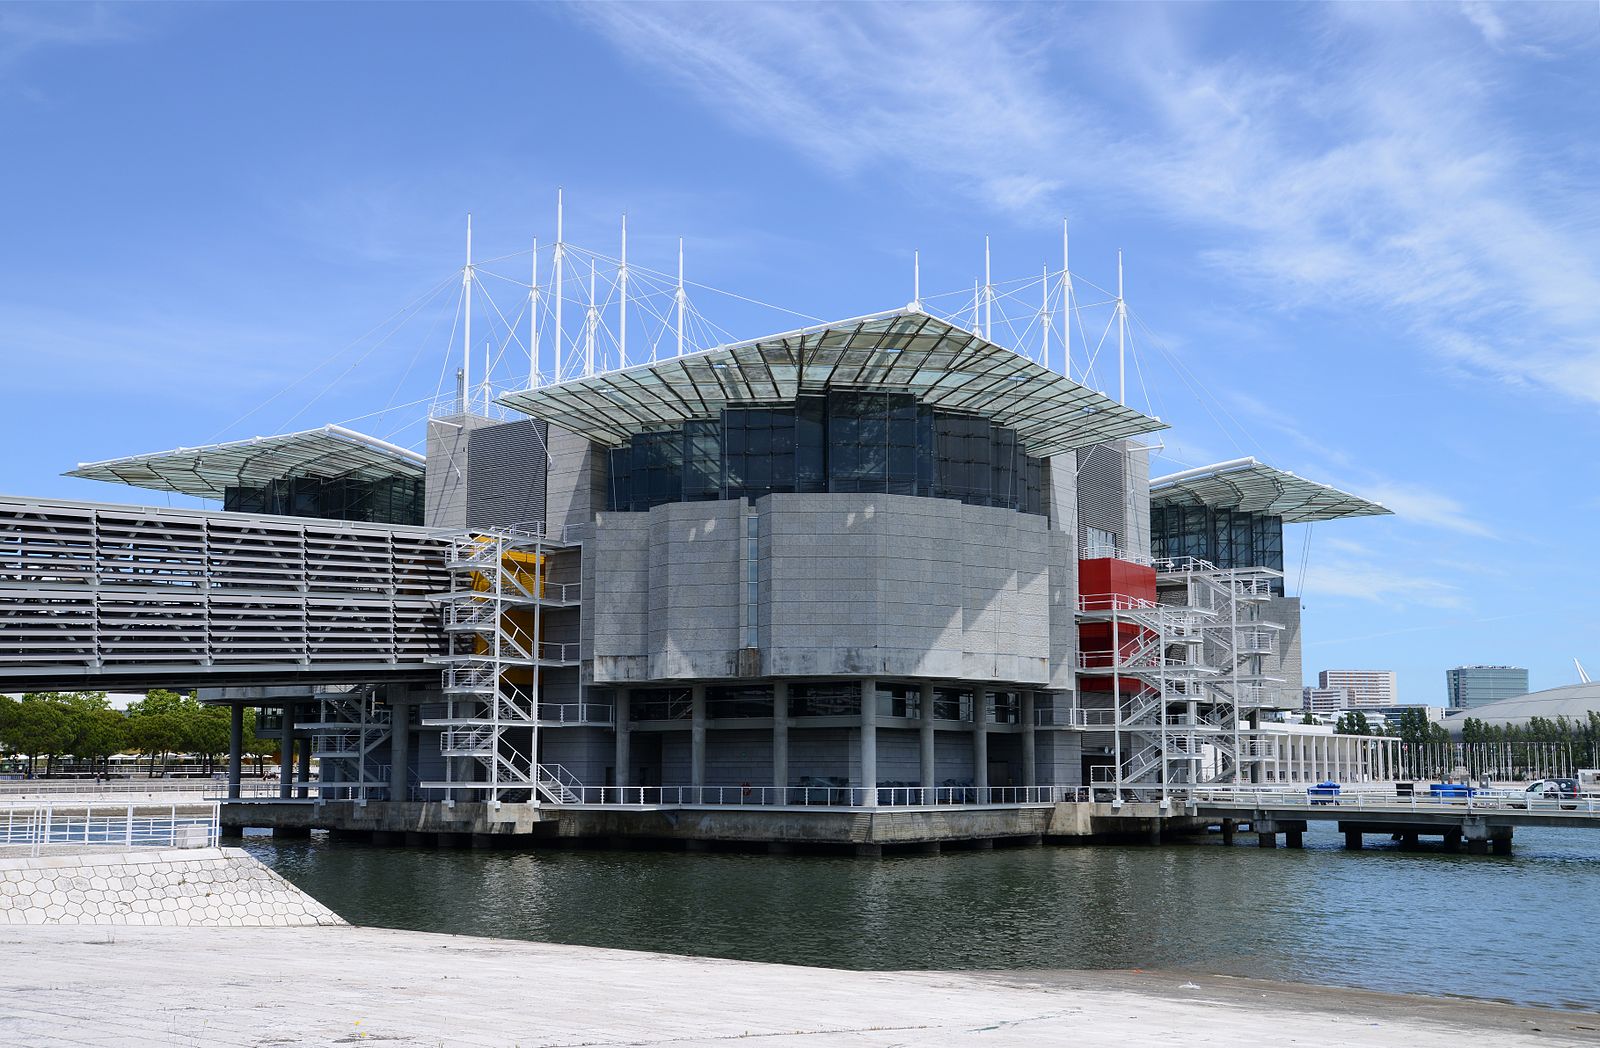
[
  {"x": 780, "y": 738},
  {"x": 235, "y": 748},
  {"x": 869, "y": 741},
  {"x": 697, "y": 736},
  {"x": 399, "y": 750},
  {"x": 980, "y": 740},
  {"x": 929, "y": 762},
  {"x": 1030, "y": 767},
  {"x": 305, "y": 769},
  {"x": 286, "y": 752},
  {"x": 620, "y": 718}
]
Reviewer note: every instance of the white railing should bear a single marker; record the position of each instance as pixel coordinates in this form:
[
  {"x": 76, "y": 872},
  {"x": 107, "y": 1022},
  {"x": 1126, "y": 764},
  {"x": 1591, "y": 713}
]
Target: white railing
[
  {"x": 575, "y": 712},
  {"x": 34, "y": 827},
  {"x": 88, "y": 789},
  {"x": 466, "y": 742},
  {"x": 1114, "y": 602},
  {"x": 1104, "y": 552},
  {"x": 1075, "y": 718},
  {"x": 824, "y": 796},
  {"x": 1421, "y": 799}
]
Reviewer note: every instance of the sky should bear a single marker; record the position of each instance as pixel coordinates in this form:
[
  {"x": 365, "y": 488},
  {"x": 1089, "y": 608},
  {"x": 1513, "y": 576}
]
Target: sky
[{"x": 1360, "y": 241}]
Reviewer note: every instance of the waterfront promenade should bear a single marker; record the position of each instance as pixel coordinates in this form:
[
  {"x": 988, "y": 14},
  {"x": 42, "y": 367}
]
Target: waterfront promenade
[{"x": 331, "y": 985}]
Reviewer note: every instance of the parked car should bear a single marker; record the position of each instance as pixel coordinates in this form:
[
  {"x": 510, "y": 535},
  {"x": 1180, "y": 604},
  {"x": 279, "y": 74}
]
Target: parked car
[{"x": 1547, "y": 789}]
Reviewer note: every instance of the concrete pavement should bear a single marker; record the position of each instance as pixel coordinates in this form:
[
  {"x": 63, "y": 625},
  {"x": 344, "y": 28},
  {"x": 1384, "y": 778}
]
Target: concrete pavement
[{"x": 80, "y": 986}]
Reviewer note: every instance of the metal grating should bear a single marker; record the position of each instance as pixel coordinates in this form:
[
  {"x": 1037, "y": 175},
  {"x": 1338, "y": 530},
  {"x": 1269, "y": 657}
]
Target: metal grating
[
  {"x": 1102, "y": 501},
  {"x": 507, "y": 466}
]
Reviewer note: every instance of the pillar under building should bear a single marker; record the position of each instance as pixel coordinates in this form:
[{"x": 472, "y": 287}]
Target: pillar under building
[
  {"x": 286, "y": 752},
  {"x": 780, "y": 740},
  {"x": 235, "y": 748},
  {"x": 622, "y": 721},
  {"x": 869, "y": 742},
  {"x": 926, "y": 758},
  {"x": 697, "y": 737}
]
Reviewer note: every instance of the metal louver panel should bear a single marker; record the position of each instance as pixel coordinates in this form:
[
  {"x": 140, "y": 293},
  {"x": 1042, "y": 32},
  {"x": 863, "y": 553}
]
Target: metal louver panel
[
  {"x": 506, "y": 471},
  {"x": 1101, "y": 501}
]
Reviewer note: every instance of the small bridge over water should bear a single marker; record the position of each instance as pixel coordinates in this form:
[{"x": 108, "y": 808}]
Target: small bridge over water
[{"x": 1483, "y": 819}]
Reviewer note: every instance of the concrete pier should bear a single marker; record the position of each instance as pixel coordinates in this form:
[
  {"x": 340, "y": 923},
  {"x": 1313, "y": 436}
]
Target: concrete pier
[{"x": 336, "y": 985}]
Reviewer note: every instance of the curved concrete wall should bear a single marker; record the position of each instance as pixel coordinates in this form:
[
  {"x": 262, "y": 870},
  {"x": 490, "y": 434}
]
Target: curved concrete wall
[{"x": 848, "y": 585}]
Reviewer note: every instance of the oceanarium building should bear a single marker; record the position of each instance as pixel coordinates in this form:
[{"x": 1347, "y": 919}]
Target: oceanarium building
[{"x": 879, "y": 562}]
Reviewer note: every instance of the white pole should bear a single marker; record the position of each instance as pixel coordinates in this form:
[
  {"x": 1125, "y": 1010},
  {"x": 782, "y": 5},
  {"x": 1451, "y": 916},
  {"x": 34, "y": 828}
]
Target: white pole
[
  {"x": 1044, "y": 313},
  {"x": 622, "y": 280},
  {"x": 1122, "y": 337},
  {"x": 561, "y": 255},
  {"x": 589, "y": 326},
  {"x": 466, "y": 336},
  {"x": 1066, "y": 305},
  {"x": 533, "y": 321},
  {"x": 916, "y": 279},
  {"x": 977, "y": 299},
  {"x": 988, "y": 295},
  {"x": 679, "y": 298},
  {"x": 486, "y": 392}
]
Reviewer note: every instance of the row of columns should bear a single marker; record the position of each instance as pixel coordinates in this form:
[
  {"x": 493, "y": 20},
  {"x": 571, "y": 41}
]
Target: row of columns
[
  {"x": 868, "y": 751},
  {"x": 1305, "y": 757}
]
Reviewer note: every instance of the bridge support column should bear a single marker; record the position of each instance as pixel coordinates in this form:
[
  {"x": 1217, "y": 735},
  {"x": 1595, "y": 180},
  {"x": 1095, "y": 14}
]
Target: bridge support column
[
  {"x": 1228, "y": 826},
  {"x": 1266, "y": 839},
  {"x": 697, "y": 736},
  {"x": 869, "y": 743},
  {"x": 305, "y": 769},
  {"x": 927, "y": 760},
  {"x": 1353, "y": 840},
  {"x": 980, "y": 743},
  {"x": 235, "y": 748},
  {"x": 1501, "y": 845},
  {"x": 1477, "y": 847},
  {"x": 286, "y": 752},
  {"x": 1294, "y": 838},
  {"x": 621, "y": 718},
  {"x": 780, "y": 740}
]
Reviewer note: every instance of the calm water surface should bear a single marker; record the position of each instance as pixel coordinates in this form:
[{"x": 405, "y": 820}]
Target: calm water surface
[{"x": 1520, "y": 929}]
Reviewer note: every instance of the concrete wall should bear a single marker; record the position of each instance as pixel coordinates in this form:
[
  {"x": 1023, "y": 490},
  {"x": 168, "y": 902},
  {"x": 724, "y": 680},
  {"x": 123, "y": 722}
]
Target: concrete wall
[
  {"x": 1136, "y": 498},
  {"x": 445, "y": 483},
  {"x": 576, "y": 488},
  {"x": 849, "y": 585},
  {"x": 1061, "y": 503},
  {"x": 1285, "y": 611}
]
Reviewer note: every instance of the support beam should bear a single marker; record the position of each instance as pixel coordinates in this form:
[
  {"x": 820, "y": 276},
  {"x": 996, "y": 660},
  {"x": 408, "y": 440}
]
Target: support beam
[
  {"x": 927, "y": 759},
  {"x": 869, "y": 742},
  {"x": 697, "y": 736},
  {"x": 622, "y": 717},
  {"x": 1266, "y": 840},
  {"x": 980, "y": 742},
  {"x": 303, "y": 791},
  {"x": 1227, "y": 831},
  {"x": 399, "y": 748},
  {"x": 235, "y": 748},
  {"x": 286, "y": 752},
  {"x": 780, "y": 739},
  {"x": 1030, "y": 772},
  {"x": 1353, "y": 840}
]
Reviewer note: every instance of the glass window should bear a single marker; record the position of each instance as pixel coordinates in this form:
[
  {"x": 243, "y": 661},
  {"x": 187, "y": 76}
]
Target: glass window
[
  {"x": 739, "y": 700},
  {"x": 825, "y": 699}
]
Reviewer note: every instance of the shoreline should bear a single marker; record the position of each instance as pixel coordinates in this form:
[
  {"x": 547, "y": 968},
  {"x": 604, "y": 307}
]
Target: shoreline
[{"x": 316, "y": 985}]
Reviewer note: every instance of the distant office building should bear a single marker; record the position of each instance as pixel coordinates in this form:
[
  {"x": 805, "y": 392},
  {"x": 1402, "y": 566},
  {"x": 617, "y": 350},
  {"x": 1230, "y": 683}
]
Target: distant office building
[
  {"x": 1472, "y": 686},
  {"x": 1367, "y": 687},
  {"x": 1325, "y": 700}
]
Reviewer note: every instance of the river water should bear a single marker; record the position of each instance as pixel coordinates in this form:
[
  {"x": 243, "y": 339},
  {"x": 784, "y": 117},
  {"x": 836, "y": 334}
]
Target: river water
[{"x": 1518, "y": 928}]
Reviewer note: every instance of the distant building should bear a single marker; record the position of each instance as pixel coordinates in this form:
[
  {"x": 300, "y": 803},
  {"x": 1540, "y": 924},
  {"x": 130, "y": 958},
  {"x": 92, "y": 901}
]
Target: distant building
[
  {"x": 1472, "y": 686},
  {"x": 1367, "y": 688},
  {"x": 1325, "y": 700}
]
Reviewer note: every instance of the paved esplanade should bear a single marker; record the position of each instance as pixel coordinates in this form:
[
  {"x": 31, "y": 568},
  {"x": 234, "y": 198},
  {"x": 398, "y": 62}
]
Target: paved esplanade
[{"x": 288, "y": 986}]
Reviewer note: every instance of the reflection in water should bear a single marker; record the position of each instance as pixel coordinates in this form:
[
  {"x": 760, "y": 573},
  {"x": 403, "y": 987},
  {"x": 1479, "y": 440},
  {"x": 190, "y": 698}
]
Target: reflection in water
[{"x": 1513, "y": 928}]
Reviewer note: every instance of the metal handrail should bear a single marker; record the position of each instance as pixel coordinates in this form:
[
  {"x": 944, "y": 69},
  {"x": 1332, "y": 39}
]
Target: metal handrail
[{"x": 193, "y": 824}]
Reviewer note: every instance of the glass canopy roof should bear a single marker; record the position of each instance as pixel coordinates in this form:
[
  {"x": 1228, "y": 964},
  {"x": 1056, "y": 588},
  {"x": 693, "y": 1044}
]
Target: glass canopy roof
[
  {"x": 331, "y": 451},
  {"x": 905, "y": 351},
  {"x": 1251, "y": 486}
]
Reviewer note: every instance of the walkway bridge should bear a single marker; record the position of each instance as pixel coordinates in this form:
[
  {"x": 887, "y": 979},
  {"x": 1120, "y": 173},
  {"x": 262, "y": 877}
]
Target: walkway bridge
[
  {"x": 1483, "y": 818},
  {"x": 111, "y": 597}
]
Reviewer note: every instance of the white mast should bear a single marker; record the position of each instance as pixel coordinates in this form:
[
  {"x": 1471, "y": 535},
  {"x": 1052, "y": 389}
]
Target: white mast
[
  {"x": 561, "y": 254},
  {"x": 679, "y": 298},
  {"x": 466, "y": 336},
  {"x": 622, "y": 281},
  {"x": 1044, "y": 313},
  {"x": 533, "y": 321},
  {"x": 916, "y": 280},
  {"x": 988, "y": 294},
  {"x": 1122, "y": 338},
  {"x": 485, "y": 383},
  {"x": 977, "y": 298},
  {"x": 590, "y": 321},
  {"x": 1066, "y": 305}
]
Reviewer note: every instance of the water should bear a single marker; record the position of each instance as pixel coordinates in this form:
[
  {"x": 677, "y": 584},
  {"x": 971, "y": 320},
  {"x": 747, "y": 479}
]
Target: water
[{"x": 1517, "y": 929}]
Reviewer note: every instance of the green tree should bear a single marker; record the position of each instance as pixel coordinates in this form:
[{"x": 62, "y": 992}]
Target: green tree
[
  {"x": 161, "y": 724},
  {"x": 37, "y": 727}
]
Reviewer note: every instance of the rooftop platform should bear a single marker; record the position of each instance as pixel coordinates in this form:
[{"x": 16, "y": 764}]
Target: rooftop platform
[
  {"x": 905, "y": 351},
  {"x": 1254, "y": 487}
]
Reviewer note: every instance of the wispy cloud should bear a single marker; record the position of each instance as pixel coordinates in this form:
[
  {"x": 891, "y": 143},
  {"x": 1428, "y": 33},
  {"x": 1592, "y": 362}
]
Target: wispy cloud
[
  {"x": 1365, "y": 579},
  {"x": 25, "y": 28},
  {"x": 1377, "y": 167}
]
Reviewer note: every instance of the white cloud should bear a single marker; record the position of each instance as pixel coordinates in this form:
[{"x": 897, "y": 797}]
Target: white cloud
[
  {"x": 1373, "y": 164},
  {"x": 1419, "y": 505},
  {"x": 25, "y": 28},
  {"x": 1363, "y": 579}
]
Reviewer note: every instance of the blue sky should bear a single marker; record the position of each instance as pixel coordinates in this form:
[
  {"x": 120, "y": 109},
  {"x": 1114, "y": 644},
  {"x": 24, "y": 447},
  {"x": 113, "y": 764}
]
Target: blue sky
[{"x": 1369, "y": 232}]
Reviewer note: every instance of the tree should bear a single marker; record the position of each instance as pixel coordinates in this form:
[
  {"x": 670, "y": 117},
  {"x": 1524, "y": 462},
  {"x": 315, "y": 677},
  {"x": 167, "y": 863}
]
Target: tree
[
  {"x": 160, "y": 724},
  {"x": 1307, "y": 718},
  {"x": 37, "y": 726}
]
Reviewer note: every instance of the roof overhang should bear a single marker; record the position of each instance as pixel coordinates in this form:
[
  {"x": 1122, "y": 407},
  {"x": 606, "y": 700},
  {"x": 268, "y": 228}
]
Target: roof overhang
[
  {"x": 1251, "y": 486},
  {"x": 903, "y": 351},
  {"x": 331, "y": 451}
]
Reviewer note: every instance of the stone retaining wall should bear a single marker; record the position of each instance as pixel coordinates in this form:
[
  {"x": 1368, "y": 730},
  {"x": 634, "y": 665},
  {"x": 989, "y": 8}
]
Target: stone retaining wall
[{"x": 206, "y": 886}]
